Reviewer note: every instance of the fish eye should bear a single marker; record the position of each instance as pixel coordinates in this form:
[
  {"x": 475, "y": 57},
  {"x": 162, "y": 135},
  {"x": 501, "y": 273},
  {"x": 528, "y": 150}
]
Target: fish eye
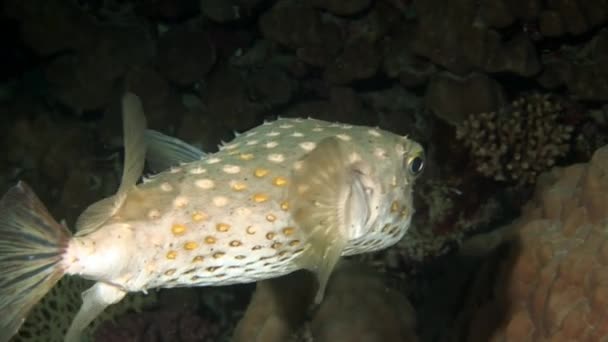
[{"x": 415, "y": 165}]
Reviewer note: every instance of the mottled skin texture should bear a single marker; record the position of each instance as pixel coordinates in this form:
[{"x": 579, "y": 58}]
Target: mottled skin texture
[{"x": 227, "y": 219}]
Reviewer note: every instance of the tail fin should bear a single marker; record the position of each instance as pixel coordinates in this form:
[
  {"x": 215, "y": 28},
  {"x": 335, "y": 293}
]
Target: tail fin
[{"x": 31, "y": 248}]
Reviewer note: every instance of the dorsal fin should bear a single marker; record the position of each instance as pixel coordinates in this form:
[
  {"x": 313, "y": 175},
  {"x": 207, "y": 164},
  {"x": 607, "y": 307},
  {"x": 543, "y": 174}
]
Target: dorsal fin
[
  {"x": 164, "y": 151},
  {"x": 134, "y": 126}
]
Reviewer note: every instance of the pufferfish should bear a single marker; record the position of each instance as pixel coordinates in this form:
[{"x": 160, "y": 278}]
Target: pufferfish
[{"x": 287, "y": 195}]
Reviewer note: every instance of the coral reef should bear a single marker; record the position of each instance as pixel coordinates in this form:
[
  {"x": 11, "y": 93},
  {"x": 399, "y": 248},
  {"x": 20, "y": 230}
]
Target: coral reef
[
  {"x": 519, "y": 141},
  {"x": 551, "y": 283}
]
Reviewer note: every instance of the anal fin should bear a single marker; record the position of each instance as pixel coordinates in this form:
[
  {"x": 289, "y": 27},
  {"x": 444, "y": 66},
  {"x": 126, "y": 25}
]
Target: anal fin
[{"x": 94, "y": 301}]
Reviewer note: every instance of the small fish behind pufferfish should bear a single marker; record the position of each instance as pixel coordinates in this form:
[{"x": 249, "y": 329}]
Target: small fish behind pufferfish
[{"x": 289, "y": 194}]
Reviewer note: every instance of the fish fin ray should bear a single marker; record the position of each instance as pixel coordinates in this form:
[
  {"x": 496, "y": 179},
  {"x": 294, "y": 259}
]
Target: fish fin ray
[
  {"x": 134, "y": 127},
  {"x": 94, "y": 301},
  {"x": 323, "y": 196},
  {"x": 32, "y": 244},
  {"x": 164, "y": 151}
]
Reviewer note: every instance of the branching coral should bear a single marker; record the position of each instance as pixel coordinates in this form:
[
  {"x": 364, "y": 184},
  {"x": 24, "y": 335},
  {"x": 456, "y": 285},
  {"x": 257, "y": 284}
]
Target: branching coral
[{"x": 519, "y": 141}]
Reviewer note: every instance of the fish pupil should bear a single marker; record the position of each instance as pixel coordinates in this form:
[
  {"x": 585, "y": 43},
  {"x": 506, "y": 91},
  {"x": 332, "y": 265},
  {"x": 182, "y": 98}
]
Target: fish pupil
[{"x": 416, "y": 165}]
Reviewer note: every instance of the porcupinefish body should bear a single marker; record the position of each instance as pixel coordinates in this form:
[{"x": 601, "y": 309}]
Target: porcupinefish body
[{"x": 290, "y": 194}]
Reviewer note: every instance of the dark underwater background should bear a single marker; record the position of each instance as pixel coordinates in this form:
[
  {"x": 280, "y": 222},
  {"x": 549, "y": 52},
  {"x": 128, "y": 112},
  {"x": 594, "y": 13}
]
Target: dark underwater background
[{"x": 508, "y": 97}]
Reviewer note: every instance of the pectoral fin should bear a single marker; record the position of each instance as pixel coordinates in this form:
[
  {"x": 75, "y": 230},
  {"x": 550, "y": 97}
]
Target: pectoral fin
[
  {"x": 134, "y": 128},
  {"x": 328, "y": 202}
]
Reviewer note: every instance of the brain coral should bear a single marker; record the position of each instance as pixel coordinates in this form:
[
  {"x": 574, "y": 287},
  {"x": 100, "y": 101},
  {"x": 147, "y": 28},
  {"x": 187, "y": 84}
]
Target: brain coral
[{"x": 552, "y": 283}]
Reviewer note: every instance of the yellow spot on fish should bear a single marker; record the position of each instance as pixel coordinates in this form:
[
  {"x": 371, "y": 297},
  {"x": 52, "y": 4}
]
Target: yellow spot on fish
[
  {"x": 198, "y": 258},
  {"x": 279, "y": 181},
  {"x": 250, "y": 230},
  {"x": 166, "y": 187},
  {"x": 218, "y": 255},
  {"x": 246, "y": 156},
  {"x": 212, "y": 268},
  {"x": 210, "y": 240},
  {"x": 231, "y": 169},
  {"x": 238, "y": 186},
  {"x": 260, "y": 172},
  {"x": 171, "y": 255},
  {"x": 293, "y": 243},
  {"x": 220, "y": 201},
  {"x": 240, "y": 257},
  {"x": 198, "y": 216},
  {"x": 276, "y": 245},
  {"x": 259, "y": 198},
  {"x": 394, "y": 207},
  {"x": 256, "y": 247},
  {"x": 273, "y": 134},
  {"x": 204, "y": 183},
  {"x": 276, "y": 157},
  {"x": 284, "y": 205},
  {"x": 297, "y": 134},
  {"x": 288, "y": 230},
  {"x": 190, "y": 245},
  {"x": 235, "y": 243},
  {"x": 170, "y": 272},
  {"x": 251, "y": 142},
  {"x": 271, "y": 218},
  {"x": 270, "y": 235},
  {"x": 272, "y": 144},
  {"x": 178, "y": 229},
  {"x": 222, "y": 227},
  {"x": 317, "y": 129},
  {"x": 213, "y": 160},
  {"x": 180, "y": 202},
  {"x": 404, "y": 212}
]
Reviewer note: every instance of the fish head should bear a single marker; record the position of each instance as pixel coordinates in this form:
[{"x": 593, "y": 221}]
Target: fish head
[{"x": 385, "y": 171}]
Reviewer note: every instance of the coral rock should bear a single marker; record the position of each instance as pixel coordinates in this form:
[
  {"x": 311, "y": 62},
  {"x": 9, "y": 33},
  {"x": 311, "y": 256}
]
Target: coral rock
[
  {"x": 277, "y": 309},
  {"x": 359, "y": 307},
  {"x": 228, "y": 10},
  {"x": 342, "y": 7},
  {"x": 359, "y": 60},
  {"x": 448, "y": 34},
  {"x": 185, "y": 56},
  {"x": 552, "y": 284},
  {"x": 299, "y": 26},
  {"x": 453, "y": 98}
]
